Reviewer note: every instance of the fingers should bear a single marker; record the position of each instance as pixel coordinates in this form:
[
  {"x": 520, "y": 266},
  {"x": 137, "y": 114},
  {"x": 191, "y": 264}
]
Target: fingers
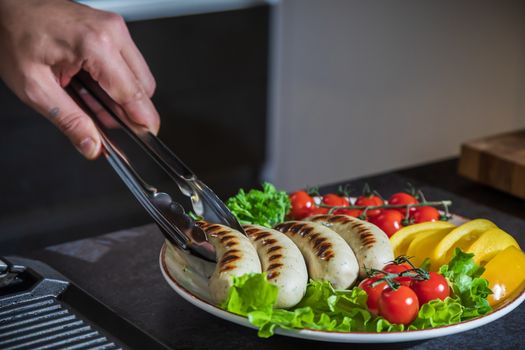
[
  {"x": 117, "y": 29},
  {"x": 118, "y": 80},
  {"x": 113, "y": 60},
  {"x": 138, "y": 66},
  {"x": 43, "y": 93}
]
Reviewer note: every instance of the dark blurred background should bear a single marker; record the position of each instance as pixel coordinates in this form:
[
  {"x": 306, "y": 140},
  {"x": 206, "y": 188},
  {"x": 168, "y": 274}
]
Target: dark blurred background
[{"x": 211, "y": 72}]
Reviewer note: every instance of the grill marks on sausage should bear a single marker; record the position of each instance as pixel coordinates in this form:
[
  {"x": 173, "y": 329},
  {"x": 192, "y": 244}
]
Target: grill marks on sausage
[
  {"x": 213, "y": 229},
  {"x": 260, "y": 234},
  {"x": 230, "y": 258},
  {"x": 284, "y": 226},
  {"x": 274, "y": 249},
  {"x": 229, "y": 241},
  {"x": 317, "y": 242},
  {"x": 227, "y": 262},
  {"x": 251, "y": 230},
  {"x": 274, "y": 266},
  {"x": 273, "y": 271},
  {"x": 226, "y": 238},
  {"x": 366, "y": 237},
  {"x": 339, "y": 219},
  {"x": 272, "y": 275},
  {"x": 206, "y": 225},
  {"x": 264, "y": 237},
  {"x": 322, "y": 247},
  {"x": 321, "y": 217},
  {"x": 216, "y": 230},
  {"x": 356, "y": 225},
  {"x": 269, "y": 241},
  {"x": 333, "y": 219}
]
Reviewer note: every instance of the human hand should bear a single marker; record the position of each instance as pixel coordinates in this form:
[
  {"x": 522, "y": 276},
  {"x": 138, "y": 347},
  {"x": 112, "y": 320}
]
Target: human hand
[{"x": 44, "y": 43}]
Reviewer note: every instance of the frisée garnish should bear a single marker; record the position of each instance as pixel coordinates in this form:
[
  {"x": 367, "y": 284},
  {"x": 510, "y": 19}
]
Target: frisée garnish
[
  {"x": 266, "y": 208},
  {"x": 471, "y": 290}
]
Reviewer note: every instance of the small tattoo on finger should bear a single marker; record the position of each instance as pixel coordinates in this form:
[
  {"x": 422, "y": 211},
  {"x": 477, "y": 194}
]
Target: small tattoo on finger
[{"x": 53, "y": 112}]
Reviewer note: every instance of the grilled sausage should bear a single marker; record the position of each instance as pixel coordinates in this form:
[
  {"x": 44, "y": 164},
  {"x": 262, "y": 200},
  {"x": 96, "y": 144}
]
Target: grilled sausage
[
  {"x": 369, "y": 243},
  {"x": 328, "y": 256},
  {"x": 283, "y": 263},
  {"x": 236, "y": 256}
]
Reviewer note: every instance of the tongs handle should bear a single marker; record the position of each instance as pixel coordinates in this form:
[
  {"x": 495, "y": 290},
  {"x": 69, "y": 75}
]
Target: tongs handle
[
  {"x": 204, "y": 201},
  {"x": 149, "y": 142},
  {"x": 142, "y": 191}
]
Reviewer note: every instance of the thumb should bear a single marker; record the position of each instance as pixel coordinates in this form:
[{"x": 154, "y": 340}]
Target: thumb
[{"x": 45, "y": 95}]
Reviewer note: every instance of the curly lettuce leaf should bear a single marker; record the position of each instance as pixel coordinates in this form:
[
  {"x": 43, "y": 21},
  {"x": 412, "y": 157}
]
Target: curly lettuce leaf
[
  {"x": 322, "y": 308},
  {"x": 266, "y": 208},
  {"x": 317, "y": 295},
  {"x": 268, "y": 321},
  {"x": 438, "y": 313},
  {"x": 472, "y": 290},
  {"x": 251, "y": 292},
  {"x": 327, "y": 309}
]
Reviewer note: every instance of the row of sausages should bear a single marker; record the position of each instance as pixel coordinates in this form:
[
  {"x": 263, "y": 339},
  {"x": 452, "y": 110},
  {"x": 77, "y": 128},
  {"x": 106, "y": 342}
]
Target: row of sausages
[{"x": 335, "y": 248}]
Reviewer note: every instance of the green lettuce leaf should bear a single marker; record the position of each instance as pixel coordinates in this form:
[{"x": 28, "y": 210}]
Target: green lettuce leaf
[
  {"x": 467, "y": 285},
  {"x": 251, "y": 292},
  {"x": 322, "y": 308},
  {"x": 327, "y": 309},
  {"x": 317, "y": 295},
  {"x": 437, "y": 313},
  {"x": 379, "y": 324},
  {"x": 268, "y": 321},
  {"x": 267, "y": 207}
]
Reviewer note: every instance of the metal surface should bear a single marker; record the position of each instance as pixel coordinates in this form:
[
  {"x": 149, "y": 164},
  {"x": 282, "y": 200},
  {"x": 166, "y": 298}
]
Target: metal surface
[
  {"x": 44, "y": 323},
  {"x": 9, "y": 272},
  {"x": 43, "y": 310},
  {"x": 178, "y": 227}
]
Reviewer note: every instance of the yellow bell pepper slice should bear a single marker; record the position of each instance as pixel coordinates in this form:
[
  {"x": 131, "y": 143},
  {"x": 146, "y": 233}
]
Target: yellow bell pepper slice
[
  {"x": 423, "y": 246},
  {"x": 506, "y": 274},
  {"x": 490, "y": 243},
  {"x": 461, "y": 237},
  {"x": 401, "y": 240}
]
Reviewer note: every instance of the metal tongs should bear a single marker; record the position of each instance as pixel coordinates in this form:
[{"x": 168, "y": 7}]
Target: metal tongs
[{"x": 176, "y": 225}]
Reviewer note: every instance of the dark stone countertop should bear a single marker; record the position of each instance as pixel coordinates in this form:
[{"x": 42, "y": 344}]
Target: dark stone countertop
[{"x": 121, "y": 270}]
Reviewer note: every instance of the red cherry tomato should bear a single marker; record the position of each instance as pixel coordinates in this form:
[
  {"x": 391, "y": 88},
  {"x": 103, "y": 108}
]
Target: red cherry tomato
[
  {"x": 398, "y": 305},
  {"x": 319, "y": 211},
  {"x": 373, "y": 292},
  {"x": 434, "y": 288},
  {"x": 368, "y": 201},
  {"x": 398, "y": 268},
  {"x": 424, "y": 214},
  {"x": 302, "y": 205},
  {"x": 335, "y": 200},
  {"x": 402, "y": 198},
  {"x": 389, "y": 220},
  {"x": 350, "y": 212}
]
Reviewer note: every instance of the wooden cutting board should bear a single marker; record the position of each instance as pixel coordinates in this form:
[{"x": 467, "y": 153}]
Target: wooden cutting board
[{"x": 497, "y": 161}]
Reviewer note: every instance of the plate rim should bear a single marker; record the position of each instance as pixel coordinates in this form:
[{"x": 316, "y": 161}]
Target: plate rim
[{"x": 337, "y": 336}]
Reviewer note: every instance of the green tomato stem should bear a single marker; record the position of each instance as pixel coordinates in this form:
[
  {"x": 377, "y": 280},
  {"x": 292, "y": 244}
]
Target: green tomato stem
[{"x": 445, "y": 204}]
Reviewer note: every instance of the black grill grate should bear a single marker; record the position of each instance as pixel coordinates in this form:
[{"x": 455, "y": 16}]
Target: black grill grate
[{"x": 45, "y": 324}]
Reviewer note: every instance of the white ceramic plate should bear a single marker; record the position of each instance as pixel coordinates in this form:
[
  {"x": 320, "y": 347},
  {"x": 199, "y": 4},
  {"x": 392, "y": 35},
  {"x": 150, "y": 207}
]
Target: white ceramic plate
[{"x": 188, "y": 276}]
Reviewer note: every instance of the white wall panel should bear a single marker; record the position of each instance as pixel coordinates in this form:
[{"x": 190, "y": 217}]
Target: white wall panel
[{"x": 361, "y": 87}]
